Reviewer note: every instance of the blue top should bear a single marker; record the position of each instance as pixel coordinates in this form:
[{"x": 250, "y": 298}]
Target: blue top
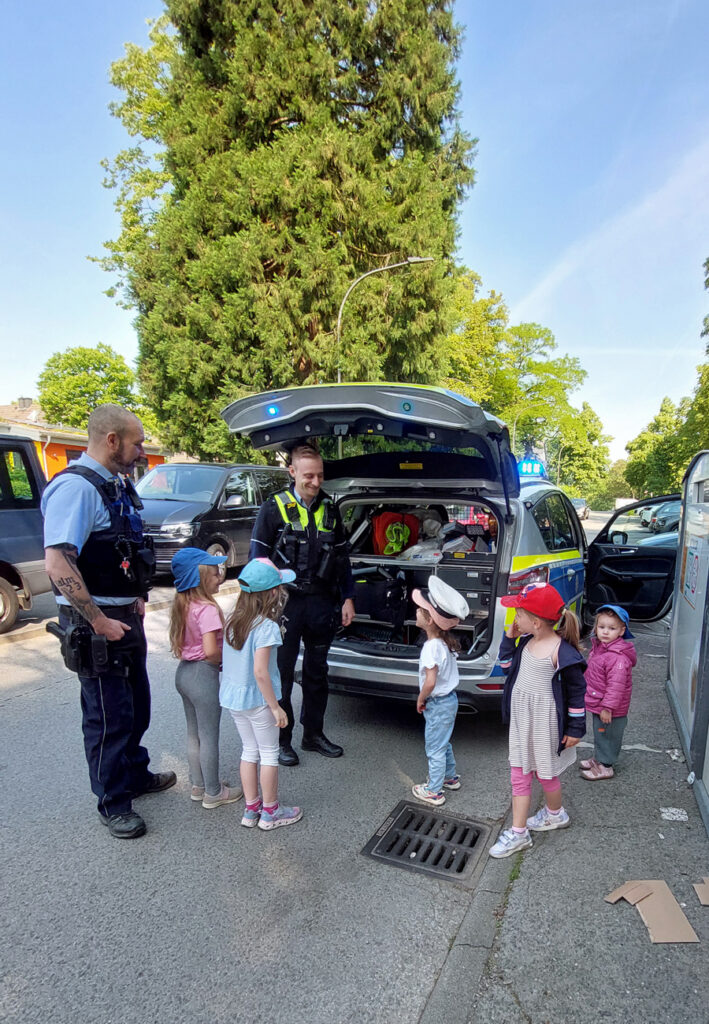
[
  {"x": 73, "y": 509},
  {"x": 239, "y": 690}
]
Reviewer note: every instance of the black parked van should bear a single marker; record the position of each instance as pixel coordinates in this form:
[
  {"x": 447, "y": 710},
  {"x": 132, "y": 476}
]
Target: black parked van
[
  {"x": 205, "y": 505},
  {"x": 22, "y": 572}
]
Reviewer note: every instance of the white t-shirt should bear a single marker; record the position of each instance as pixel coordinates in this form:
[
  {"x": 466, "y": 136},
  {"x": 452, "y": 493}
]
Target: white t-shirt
[{"x": 435, "y": 654}]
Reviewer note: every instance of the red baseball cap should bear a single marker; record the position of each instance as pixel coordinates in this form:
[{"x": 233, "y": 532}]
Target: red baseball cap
[{"x": 538, "y": 599}]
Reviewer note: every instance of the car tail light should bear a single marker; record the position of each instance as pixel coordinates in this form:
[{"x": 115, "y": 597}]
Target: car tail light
[
  {"x": 520, "y": 580},
  {"x": 491, "y": 686}
]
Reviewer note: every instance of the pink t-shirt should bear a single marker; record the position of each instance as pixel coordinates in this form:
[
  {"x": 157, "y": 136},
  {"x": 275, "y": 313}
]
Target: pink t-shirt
[{"x": 202, "y": 617}]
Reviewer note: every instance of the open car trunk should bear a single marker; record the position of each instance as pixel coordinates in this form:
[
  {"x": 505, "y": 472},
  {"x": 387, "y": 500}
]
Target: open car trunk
[{"x": 396, "y": 544}]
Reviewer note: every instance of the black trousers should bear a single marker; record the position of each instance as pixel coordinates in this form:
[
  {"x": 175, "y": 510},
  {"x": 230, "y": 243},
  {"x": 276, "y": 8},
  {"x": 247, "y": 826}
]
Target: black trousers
[
  {"x": 312, "y": 618},
  {"x": 115, "y": 714}
]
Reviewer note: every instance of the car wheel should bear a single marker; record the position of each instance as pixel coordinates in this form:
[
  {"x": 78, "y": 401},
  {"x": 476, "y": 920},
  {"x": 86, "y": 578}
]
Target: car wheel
[
  {"x": 219, "y": 550},
  {"x": 9, "y": 606}
]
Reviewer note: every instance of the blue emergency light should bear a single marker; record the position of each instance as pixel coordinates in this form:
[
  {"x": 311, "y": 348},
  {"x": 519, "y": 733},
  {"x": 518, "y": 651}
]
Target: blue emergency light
[{"x": 531, "y": 467}]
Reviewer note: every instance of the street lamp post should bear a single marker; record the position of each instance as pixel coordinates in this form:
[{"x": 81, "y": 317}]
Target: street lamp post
[{"x": 377, "y": 270}]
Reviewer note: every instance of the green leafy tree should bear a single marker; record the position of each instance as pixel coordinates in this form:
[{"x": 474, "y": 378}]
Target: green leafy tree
[
  {"x": 655, "y": 460},
  {"x": 577, "y": 456},
  {"x": 476, "y": 346},
  {"x": 279, "y": 156},
  {"x": 73, "y": 382},
  {"x": 611, "y": 486}
]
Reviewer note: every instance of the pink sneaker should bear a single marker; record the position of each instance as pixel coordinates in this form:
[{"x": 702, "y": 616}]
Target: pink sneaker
[
  {"x": 590, "y": 762},
  {"x": 599, "y": 771},
  {"x": 281, "y": 816}
]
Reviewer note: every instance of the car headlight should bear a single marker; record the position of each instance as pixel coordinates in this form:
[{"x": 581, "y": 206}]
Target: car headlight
[{"x": 177, "y": 530}]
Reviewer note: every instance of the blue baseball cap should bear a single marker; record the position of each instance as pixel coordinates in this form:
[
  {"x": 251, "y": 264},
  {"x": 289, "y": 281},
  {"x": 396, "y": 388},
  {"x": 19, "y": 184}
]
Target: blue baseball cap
[
  {"x": 186, "y": 563},
  {"x": 622, "y": 615},
  {"x": 261, "y": 574}
]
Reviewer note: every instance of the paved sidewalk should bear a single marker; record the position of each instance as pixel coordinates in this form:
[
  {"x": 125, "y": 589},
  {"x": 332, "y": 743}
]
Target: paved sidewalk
[{"x": 539, "y": 945}]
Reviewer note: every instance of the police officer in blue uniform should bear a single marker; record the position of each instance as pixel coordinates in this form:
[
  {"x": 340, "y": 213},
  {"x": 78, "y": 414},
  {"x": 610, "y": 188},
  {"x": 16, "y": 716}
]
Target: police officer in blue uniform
[
  {"x": 301, "y": 529},
  {"x": 101, "y": 567}
]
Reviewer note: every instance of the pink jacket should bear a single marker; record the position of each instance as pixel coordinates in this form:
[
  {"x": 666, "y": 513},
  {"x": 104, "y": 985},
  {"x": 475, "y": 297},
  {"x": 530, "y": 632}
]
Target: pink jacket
[{"x": 609, "y": 676}]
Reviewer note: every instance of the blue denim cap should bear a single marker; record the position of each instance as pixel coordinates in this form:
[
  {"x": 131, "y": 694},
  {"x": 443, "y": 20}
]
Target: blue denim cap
[
  {"x": 622, "y": 615},
  {"x": 261, "y": 574},
  {"x": 186, "y": 563}
]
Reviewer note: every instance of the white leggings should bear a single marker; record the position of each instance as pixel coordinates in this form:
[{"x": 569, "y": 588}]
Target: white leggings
[{"x": 259, "y": 735}]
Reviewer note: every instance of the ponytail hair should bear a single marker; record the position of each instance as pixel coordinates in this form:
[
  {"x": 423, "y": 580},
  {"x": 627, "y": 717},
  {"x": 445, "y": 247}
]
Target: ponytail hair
[{"x": 569, "y": 628}]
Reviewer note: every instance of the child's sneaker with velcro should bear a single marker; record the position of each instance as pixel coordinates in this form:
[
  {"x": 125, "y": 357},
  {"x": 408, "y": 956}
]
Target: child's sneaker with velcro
[
  {"x": 281, "y": 816},
  {"x": 250, "y": 818},
  {"x": 545, "y": 820},
  {"x": 510, "y": 842},
  {"x": 452, "y": 783},
  {"x": 424, "y": 794}
]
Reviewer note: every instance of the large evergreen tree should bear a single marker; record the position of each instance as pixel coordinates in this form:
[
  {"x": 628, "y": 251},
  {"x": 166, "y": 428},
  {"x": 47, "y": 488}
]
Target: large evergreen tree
[{"x": 283, "y": 149}]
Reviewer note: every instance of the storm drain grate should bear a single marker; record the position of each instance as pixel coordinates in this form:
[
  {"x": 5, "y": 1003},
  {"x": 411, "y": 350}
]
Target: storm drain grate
[{"x": 432, "y": 842}]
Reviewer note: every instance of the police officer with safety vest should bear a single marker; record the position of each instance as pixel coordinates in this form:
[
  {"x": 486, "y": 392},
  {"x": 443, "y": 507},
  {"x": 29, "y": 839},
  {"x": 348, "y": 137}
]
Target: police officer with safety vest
[
  {"x": 101, "y": 569},
  {"x": 301, "y": 529}
]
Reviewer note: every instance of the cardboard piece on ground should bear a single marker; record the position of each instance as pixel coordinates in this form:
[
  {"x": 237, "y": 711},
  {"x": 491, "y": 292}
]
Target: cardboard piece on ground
[
  {"x": 702, "y": 891},
  {"x": 658, "y": 908}
]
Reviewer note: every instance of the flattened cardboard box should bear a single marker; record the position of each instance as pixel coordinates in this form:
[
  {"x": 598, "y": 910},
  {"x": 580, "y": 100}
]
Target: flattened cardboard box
[
  {"x": 702, "y": 891},
  {"x": 662, "y": 914}
]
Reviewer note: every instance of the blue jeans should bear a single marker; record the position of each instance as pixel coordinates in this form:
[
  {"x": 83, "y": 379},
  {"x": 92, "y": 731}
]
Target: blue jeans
[{"x": 440, "y": 715}]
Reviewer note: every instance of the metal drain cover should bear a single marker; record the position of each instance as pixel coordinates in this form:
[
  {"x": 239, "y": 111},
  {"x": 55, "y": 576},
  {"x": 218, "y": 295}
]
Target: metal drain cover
[{"x": 435, "y": 843}]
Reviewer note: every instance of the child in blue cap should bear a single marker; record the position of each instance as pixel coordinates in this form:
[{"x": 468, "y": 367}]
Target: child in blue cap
[
  {"x": 609, "y": 685},
  {"x": 251, "y": 689},
  {"x": 196, "y": 626}
]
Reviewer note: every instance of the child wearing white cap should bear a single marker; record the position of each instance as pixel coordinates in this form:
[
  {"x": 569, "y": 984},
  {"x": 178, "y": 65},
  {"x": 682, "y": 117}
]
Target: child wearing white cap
[{"x": 440, "y": 609}]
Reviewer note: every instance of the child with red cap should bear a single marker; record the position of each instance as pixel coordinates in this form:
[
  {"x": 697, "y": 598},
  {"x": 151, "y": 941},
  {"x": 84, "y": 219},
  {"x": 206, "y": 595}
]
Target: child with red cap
[
  {"x": 440, "y": 609},
  {"x": 543, "y": 701}
]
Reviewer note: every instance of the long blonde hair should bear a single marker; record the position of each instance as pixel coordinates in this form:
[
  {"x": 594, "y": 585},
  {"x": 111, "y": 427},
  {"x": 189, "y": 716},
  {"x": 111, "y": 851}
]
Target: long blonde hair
[
  {"x": 264, "y": 604},
  {"x": 180, "y": 606},
  {"x": 569, "y": 628}
]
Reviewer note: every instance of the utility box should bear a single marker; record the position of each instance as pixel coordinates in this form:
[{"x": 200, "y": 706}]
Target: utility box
[{"x": 688, "y": 683}]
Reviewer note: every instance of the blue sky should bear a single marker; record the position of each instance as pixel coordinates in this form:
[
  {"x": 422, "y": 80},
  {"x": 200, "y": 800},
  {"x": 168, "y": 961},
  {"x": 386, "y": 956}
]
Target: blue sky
[{"x": 590, "y": 213}]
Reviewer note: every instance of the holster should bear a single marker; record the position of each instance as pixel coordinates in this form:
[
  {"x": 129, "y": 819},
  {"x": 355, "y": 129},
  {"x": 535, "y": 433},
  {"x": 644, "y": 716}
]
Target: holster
[{"x": 83, "y": 651}]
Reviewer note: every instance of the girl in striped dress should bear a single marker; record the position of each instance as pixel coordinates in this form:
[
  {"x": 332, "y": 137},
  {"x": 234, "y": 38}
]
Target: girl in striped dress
[{"x": 543, "y": 701}]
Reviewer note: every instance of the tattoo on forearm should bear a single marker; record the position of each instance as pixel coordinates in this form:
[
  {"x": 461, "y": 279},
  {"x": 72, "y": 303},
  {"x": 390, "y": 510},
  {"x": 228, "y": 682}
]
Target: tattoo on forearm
[
  {"x": 73, "y": 588},
  {"x": 68, "y": 585}
]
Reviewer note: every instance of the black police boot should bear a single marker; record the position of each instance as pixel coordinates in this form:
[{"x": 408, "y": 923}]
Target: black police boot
[
  {"x": 124, "y": 826},
  {"x": 157, "y": 782},
  {"x": 287, "y": 756},
  {"x": 322, "y": 745}
]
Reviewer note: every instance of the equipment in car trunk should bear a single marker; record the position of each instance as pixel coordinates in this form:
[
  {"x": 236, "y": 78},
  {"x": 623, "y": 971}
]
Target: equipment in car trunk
[
  {"x": 394, "y": 531},
  {"x": 380, "y": 595}
]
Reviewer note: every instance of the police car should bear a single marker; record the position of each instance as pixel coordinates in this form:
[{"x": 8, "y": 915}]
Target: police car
[{"x": 427, "y": 484}]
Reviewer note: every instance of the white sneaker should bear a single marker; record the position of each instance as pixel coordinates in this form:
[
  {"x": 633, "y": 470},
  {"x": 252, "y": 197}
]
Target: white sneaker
[
  {"x": 509, "y": 842},
  {"x": 545, "y": 821}
]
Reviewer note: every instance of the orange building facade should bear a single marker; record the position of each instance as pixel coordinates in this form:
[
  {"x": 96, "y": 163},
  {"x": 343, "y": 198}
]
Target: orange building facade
[{"x": 58, "y": 446}]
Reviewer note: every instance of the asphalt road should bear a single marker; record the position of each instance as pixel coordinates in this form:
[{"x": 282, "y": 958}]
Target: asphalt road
[{"x": 204, "y": 921}]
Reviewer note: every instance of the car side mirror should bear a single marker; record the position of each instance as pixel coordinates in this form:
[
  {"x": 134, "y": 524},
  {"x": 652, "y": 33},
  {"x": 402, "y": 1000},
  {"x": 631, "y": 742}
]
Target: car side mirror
[
  {"x": 619, "y": 537},
  {"x": 234, "y": 501}
]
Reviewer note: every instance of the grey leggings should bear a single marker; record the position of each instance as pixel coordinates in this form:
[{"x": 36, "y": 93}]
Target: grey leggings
[{"x": 197, "y": 683}]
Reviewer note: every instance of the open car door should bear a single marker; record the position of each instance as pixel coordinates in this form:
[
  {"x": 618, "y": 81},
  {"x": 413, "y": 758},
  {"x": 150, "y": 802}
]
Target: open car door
[{"x": 631, "y": 567}]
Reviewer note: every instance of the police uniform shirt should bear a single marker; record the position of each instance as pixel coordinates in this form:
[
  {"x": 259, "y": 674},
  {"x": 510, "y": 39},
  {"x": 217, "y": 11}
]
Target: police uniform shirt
[
  {"x": 73, "y": 509},
  {"x": 268, "y": 527}
]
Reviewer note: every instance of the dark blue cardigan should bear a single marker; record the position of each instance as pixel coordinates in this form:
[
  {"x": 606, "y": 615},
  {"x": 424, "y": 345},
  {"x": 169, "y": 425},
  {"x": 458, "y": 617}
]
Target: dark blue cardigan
[{"x": 568, "y": 684}]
